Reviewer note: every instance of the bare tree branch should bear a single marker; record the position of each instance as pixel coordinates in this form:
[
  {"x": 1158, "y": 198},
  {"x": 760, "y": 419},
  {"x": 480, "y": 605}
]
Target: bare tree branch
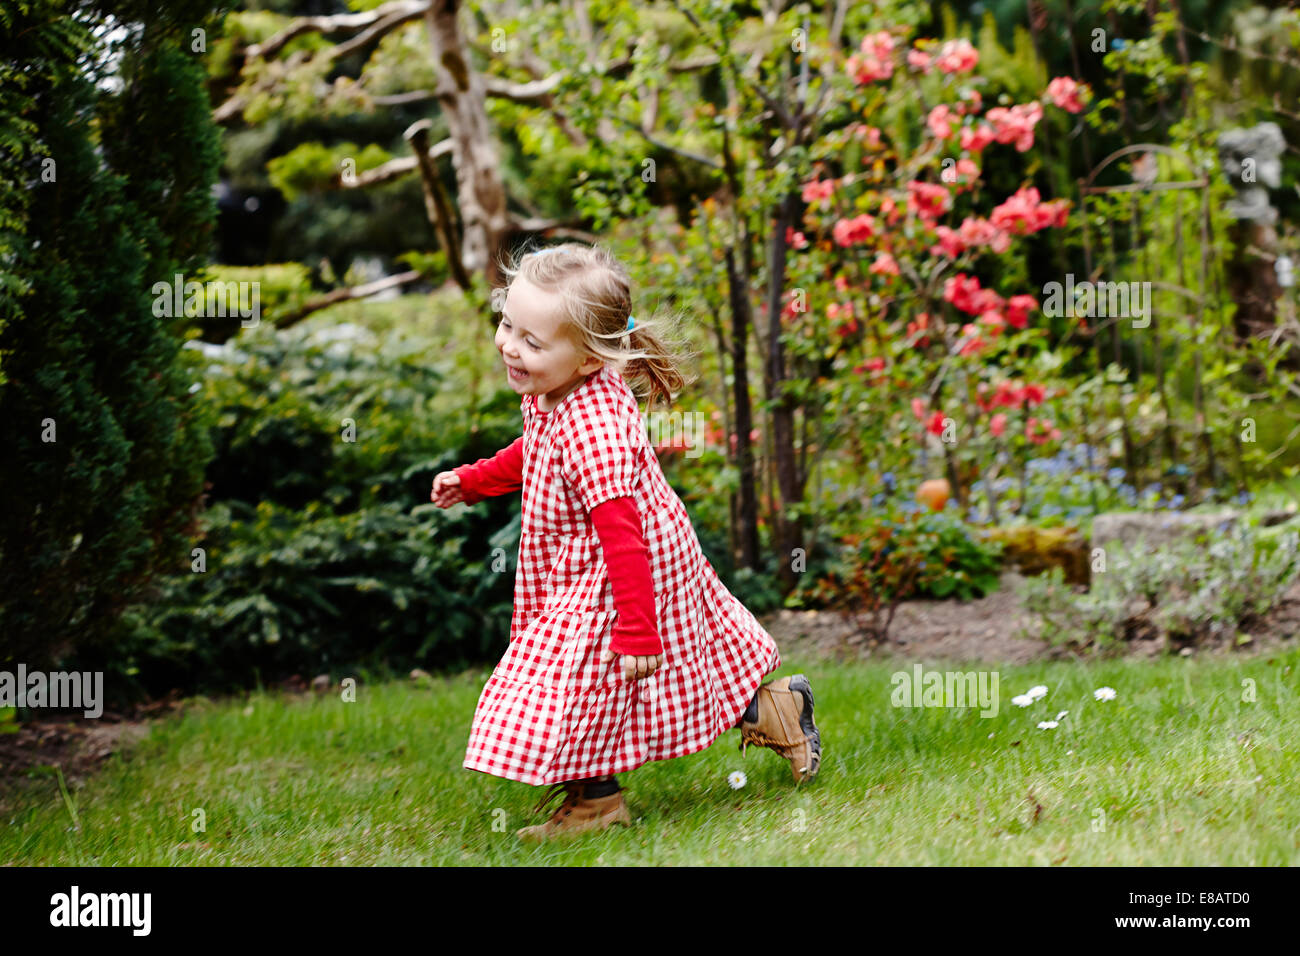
[
  {"x": 338, "y": 23},
  {"x": 344, "y": 295},
  {"x": 395, "y": 168}
]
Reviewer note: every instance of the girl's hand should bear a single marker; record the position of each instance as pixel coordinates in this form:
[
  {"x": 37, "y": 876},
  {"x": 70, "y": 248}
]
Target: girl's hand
[
  {"x": 446, "y": 490},
  {"x": 634, "y": 667}
]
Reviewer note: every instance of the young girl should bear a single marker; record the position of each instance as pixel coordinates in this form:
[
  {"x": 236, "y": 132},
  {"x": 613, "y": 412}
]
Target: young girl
[{"x": 625, "y": 647}]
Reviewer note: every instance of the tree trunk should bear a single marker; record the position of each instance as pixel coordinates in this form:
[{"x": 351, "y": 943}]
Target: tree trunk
[
  {"x": 480, "y": 191},
  {"x": 788, "y": 533},
  {"x": 747, "y": 523}
]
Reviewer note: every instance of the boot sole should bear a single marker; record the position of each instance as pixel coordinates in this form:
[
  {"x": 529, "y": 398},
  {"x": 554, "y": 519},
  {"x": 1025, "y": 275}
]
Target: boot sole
[
  {"x": 572, "y": 834},
  {"x": 800, "y": 683}
]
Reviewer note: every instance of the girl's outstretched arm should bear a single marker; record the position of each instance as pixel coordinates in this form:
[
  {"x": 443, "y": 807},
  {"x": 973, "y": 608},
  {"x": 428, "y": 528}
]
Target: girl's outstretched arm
[{"x": 498, "y": 475}]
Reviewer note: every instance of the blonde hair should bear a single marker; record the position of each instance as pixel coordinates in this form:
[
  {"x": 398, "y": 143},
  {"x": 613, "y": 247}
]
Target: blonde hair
[{"x": 596, "y": 295}]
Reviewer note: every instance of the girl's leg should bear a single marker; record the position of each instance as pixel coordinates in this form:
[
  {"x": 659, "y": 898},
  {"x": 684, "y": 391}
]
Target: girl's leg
[
  {"x": 750, "y": 714},
  {"x": 605, "y": 786}
]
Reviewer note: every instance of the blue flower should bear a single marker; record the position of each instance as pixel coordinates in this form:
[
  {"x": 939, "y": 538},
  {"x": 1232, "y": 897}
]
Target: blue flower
[
  {"x": 1176, "y": 501},
  {"x": 1115, "y": 474},
  {"x": 1118, "y": 43},
  {"x": 888, "y": 479},
  {"x": 973, "y": 516}
]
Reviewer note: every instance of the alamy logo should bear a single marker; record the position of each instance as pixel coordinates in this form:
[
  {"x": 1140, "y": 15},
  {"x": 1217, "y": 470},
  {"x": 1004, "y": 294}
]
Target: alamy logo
[
  {"x": 946, "y": 689},
  {"x": 211, "y": 300},
  {"x": 62, "y": 690},
  {"x": 1114, "y": 300},
  {"x": 102, "y": 909},
  {"x": 676, "y": 430}
]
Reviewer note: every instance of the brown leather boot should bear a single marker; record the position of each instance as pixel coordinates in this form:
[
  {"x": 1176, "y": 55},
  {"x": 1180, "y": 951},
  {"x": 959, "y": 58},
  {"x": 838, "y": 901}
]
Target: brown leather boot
[
  {"x": 781, "y": 719},
  {"x": 578, "y": 813}
]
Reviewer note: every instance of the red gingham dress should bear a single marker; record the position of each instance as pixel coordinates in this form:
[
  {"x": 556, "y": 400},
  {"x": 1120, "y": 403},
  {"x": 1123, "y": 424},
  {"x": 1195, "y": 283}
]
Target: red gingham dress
[{"x": 552, "y": 710}]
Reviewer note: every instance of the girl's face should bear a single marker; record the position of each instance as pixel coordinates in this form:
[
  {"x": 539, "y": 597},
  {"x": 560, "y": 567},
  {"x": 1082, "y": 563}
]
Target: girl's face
[{"x": 540, "y": 359}]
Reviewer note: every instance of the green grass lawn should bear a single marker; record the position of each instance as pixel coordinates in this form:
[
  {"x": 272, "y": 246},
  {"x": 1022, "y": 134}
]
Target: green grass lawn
[{"x": 1178, "y": 769}]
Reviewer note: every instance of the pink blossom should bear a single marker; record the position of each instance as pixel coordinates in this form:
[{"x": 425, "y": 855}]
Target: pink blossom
[
  {"x": 966, "y": 169},
  {"x": 1016, "y": 125},
  {"x": 835, "y": 310},
  {"x": 940, "y": 121},
  {"x": 974, "y": 343},
  {"x": 998, "y": 424},
  {"x": 976, "y": 138},
  {"x": 1018, "y": 307},
  {"x": 1054, "y": 213},
  {"x": 928, "y": 200},
  {"x": 957, "y": 56},
  {"x": 885, "y": 265},
  {"x": 918, "y": 60},
  {"x": 971, "y": 102},
  {"x": 1033, "y": 394},
  {"x": 889, "y": 209},
  {"x": 1019, "y": 214},
  {"x": 869, "y": 135},
  {"x": 920, "y": 324},
  {"x": 816, "y": 190},
  {"x": 876, "y": 62},
  {"x": 981, "y": 232},
  {"x": 964, "y": 293},
  {"x": 1064, "y": 92},
  {"x": 846, "y": 232},
  {"x": 950, "y": 243},
  {"x": 1040, "y": 431},
  {"x": 993, "y": 319}
]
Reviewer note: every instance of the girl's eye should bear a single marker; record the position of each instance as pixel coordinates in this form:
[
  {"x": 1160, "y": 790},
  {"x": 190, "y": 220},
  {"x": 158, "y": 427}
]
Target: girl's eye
[{"x": 535, "y": 348}]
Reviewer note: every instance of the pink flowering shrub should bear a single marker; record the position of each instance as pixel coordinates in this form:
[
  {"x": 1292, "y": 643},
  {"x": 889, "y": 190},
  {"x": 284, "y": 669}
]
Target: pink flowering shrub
[{"x": 890, "y": 245}]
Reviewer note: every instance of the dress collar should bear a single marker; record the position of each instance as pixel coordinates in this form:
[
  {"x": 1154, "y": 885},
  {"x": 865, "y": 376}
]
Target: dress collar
[{"x": 588, "y": 381}]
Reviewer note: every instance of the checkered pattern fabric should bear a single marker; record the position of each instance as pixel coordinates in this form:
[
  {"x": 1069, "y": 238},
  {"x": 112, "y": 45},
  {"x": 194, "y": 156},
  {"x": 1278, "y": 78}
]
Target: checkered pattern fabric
[{"x": 552, "y": 710}]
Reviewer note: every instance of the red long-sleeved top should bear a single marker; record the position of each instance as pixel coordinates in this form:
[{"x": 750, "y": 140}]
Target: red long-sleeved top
[{"x": 618, "y": 526}]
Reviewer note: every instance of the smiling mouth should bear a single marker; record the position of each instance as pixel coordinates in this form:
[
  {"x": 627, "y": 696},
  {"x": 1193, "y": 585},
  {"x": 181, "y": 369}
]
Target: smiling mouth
[{"x": 516, "y": 373}]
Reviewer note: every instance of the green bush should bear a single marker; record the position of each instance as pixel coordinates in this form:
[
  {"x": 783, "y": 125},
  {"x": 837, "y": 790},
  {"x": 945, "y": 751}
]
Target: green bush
[
  {"x": 287, "y": 592},
  {"x": 1194, "y": 590},
  {"x": 104, "y": 447},
  {"x": 322, "y": 551},
  {"x": 896, "y": 555}
]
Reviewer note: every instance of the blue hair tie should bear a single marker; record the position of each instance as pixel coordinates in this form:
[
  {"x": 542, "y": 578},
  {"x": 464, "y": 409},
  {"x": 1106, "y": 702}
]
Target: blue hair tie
[{"x": 631, "y": 321}]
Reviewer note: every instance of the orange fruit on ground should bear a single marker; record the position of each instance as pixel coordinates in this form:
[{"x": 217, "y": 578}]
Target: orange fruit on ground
[{"x": 934, "y": 493}]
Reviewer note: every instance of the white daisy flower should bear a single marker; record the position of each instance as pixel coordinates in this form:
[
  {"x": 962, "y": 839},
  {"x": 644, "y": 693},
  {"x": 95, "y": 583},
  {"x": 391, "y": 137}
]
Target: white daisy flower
[
  {"x": 1104, "y": 693},
  {"x": 1046, "y": 724},
  {"x": 1037, "y": 691},
  {"x": 737, "y": 779},
  {"x": 1022, "y": 700},
  {"x": 1061, "y": 714}
]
